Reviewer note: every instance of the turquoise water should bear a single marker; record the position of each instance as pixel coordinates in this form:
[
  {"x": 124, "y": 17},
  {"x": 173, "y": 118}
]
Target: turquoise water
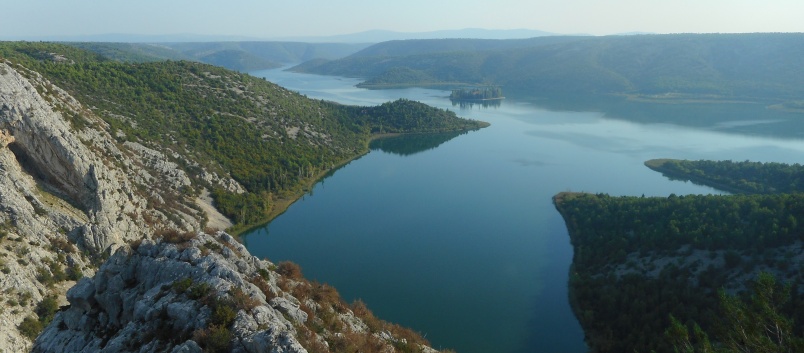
[{"x": 456, "y": 236}]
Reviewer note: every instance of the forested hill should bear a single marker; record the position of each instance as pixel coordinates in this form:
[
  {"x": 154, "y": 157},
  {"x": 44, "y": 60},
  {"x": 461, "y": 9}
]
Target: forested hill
[
  {"x": 638, "y": 261},
  {"x": 271, "y": 141},
  {"x": 738, "y": 177},
  {"x": 431, "y": 46},
  {"x": 710, "y": 66}
]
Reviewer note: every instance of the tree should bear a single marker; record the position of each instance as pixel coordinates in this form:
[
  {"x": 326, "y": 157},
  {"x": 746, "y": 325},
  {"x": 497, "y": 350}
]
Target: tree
[
  {"x": 754, "y": 324},
  {"x": 759, "y": 323}
]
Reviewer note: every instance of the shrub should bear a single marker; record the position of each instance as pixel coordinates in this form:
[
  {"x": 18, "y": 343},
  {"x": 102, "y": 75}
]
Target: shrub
[
  {"x": 46, "y": 309},
  {"x": 74, "y": 274},
  {"x": 199, "y": 291},
  {"x": 310, "y": 342},
  {"x": 214, "y": 339},
  {"x": 173, "y": 236},
  {"x": 212, "y": 246},
  {"x": 30, "y": 327},
  {"x": 222, "y": 314},
  {"x": 264, "y": 286},
  {"x": 182, "y": 285},
  {"x": 58, "y": 243},
  {"x": 302, "y": 291},
  {"x": 327, "y": 295},
  {"x": 289, "y": 269},
  {"x": 360, "y": 310},
  {"x": 44, "y": 276},
  {"x": 264, "y": 274},
  {"x": 58, "y": 272},
  {"x": 243, "y": 301}
]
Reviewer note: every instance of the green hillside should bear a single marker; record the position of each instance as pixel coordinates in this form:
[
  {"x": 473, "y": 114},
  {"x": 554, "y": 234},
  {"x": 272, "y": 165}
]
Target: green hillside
[
  {"x": 431, "y": 46},
  {"x": 704, "y": 66},
  {"x": 272, "y": 141}
]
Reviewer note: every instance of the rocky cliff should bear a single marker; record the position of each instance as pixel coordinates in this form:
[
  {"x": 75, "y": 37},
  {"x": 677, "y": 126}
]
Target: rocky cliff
[
  {"x": 58, "y": 189},
  {"x": 105, "y": 245}
]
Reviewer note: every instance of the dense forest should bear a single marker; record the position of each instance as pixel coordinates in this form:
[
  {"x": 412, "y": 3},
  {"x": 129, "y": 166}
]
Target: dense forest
[
  {"x": 699, "y": 66},
  {"x": 739, "y": 177},
  {"x": 272, "y": 141},
  {"x": 646, "y": 265}
]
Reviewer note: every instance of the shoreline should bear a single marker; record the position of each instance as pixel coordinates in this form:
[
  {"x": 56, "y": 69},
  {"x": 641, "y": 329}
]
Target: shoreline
[
  {"x": 657, "y": 165},
  {"x": 281, "y": 205}
]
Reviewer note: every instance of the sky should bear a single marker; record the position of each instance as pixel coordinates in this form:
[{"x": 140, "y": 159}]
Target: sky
[{"x": 267, "y": 19}]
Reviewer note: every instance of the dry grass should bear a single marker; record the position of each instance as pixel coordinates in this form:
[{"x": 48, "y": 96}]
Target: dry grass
[
  {"x": 243, "y": 301},
  {"x": 264, "y": 286},
  {"x": 173, "y": 236},
  {"x": 290, "y": 270}
]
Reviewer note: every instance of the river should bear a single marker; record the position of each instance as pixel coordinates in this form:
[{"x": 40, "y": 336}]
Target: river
[{"x": 456, "y": 236}]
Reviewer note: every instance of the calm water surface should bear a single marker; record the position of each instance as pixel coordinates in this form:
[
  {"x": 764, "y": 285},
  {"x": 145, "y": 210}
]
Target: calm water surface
[{"x": 456, "y": 236}]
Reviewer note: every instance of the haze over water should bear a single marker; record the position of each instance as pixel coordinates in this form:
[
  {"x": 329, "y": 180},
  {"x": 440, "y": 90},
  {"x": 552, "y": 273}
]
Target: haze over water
[{"x": 458, "y": 239}]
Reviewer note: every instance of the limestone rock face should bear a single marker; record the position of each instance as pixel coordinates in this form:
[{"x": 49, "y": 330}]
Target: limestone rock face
[
  {"x": 65, "y": 198},
  {"x": 165, "y": 297},
  {"x": 46, "y": 146}
]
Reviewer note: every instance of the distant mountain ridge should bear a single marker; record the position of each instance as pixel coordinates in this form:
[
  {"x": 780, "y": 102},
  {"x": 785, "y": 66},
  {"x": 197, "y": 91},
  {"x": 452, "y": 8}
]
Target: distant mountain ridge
[
  {"x": 377, "y": 36},
  {"x": 428, "y": 46},
  {"x": 748, "y": 67},
  {"x": 239, "y": 56},
  {"x": 244, "y": 54},
  {"x": 371, "y": 36}
]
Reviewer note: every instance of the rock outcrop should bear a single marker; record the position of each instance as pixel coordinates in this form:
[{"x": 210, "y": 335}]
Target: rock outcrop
[
  {"x": 66, "y": 201},
  {"x": 163, "y": 297},
  {"x": 63, "y": 163}
]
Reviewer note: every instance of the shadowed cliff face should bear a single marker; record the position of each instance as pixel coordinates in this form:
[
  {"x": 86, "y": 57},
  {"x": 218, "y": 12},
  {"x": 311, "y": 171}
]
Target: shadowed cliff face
[
  {"x": 65, "y": 200},
  {"x": 52, "y": 152}
]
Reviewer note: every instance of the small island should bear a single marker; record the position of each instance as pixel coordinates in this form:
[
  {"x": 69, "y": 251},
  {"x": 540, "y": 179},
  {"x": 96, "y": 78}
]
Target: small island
[{"x": 477, "y": 94}]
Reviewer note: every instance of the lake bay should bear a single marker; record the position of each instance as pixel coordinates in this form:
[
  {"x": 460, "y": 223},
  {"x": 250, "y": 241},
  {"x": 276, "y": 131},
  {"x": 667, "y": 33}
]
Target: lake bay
[{"x": 455, "y": 235}]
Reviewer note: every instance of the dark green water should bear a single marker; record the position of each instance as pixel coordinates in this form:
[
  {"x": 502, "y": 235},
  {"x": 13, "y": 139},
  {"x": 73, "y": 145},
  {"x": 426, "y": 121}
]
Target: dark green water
[{"x": 456, "y": 236}]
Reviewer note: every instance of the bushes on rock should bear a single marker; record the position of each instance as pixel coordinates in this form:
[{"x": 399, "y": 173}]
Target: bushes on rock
[
  {"x": 289, "y": 269},
  {"x": 46, "y": 309},
  {"x": 242, "y": 300},
  {"x": 173, "y": 236},
  {"x": 31, "y": 327},
  {"x": 214, "y": 339}
]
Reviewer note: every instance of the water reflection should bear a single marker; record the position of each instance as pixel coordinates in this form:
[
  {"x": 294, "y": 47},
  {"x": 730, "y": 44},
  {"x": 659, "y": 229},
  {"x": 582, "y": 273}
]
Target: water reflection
[
  {"x": 749, "y": 118},
  {"x": 407, "y": 145},
  {"x": 467, "y": 231},
  {"x": 470, "y": 104}
]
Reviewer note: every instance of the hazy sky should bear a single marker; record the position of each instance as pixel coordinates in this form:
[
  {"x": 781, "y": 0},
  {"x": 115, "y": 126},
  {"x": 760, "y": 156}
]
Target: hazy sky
[{"x": 271, "y": 19}]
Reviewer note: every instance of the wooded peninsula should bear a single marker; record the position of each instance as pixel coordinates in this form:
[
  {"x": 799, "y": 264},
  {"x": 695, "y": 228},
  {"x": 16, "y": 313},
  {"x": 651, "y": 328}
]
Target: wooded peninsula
[{"x": 660, "y": 273}]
